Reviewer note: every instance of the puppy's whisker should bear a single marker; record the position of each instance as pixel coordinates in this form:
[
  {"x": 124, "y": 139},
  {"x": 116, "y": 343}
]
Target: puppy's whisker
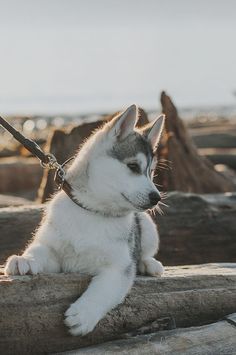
[
  {"x": 158, "y": 185},
  {"x": 164, "y": 195},
  {"x": 162, "y": 168},
  {"x": 162, "y": 160},
  {"x": 163, "y": 204},
  {"x": 158, "y": 209},
  {"x": 162, "y": 164}
]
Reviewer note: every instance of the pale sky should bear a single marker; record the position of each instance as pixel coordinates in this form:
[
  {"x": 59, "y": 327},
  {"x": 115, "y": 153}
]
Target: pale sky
[{"x": 72, "y": 55}]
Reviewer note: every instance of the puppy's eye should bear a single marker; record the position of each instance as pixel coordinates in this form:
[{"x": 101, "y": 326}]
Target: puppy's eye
[{"x": 134, "y": 167}]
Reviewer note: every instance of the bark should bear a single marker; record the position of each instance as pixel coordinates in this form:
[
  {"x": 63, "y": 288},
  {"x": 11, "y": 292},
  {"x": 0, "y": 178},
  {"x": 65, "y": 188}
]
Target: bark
[
  {"x": 194, "y": 229},
  {"x": 189, "y": 171},
  {"x": 32, "y": 307}
]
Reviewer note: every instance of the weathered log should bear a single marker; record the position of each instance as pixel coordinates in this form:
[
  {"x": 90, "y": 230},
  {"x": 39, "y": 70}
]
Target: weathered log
[
  {"x": 194, "y": 229},
  {"x": 214, "y": 140},
  {"x": 225, "y": 170},
  {"x": 16, "y": 227},
  {"x": 19, "y": 174},
  {"x": 189, "y": 171},
  {"x": 32, "y": 307},
  {"x": 65, "y": 143},
  {"x": 9, "y": 200},
  {"x": 198, "y": 228},
  {"x": 216, "y": 338},
  {"x": 220, "y": 156}
]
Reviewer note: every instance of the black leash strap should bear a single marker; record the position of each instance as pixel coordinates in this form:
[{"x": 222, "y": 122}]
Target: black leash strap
[
  {"x": 30, "y": 145},
  {"x": 47, "y": 160}
]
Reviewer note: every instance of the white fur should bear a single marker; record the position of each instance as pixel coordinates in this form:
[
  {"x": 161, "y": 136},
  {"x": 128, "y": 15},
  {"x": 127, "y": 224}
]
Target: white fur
[{"x": 72, "y": 239}]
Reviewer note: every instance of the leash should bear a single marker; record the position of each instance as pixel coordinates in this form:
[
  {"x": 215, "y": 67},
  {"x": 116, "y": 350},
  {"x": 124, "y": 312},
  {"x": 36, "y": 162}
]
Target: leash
[{"x": 47, "y": 161}]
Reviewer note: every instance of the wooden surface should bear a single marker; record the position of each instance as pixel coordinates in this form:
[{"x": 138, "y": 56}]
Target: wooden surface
[
  {"x": 194, "y": 229},
  {"x": 9, "y": 200},
  {"x": 220, "y": 156},
  {"x": 213, "y": 339},
  {"x": 17, "y": 225},
  {"x": 225, "y": 137},
  {"x": 198, "y": 229},
  {"x": 32, "y": 307},
  {"x": 19, "y": 174}
]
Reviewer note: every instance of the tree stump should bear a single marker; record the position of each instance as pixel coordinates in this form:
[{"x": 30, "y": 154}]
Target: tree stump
[{"x": 188, "y": 172}]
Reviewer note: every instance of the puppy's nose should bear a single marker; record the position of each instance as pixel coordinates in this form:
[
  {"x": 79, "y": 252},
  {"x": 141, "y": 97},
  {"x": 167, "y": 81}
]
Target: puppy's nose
[{"x": 154, "y": 198}]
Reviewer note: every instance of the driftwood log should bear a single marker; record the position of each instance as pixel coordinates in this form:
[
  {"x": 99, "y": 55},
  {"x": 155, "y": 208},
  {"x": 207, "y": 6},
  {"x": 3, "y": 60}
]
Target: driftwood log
[
  {"x": 65, "y": 143},
  {"x": 32, "y": 307},
  {"x": 194, "y": 229},
  {"x": 19, "y": 174},
  {"x": 214, "y": 140},
  {"x": 220, "y": 156},
  {"x": 213, "y": 339},
  {"x": 189, "y": 171},
  {"x": 9, "y": 200},
  {"x": 213, "y": 134}
]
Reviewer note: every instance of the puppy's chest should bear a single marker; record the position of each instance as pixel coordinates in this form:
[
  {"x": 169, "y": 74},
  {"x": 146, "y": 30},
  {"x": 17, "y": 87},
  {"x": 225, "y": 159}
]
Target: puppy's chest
[{"x": 90, "y": 245}]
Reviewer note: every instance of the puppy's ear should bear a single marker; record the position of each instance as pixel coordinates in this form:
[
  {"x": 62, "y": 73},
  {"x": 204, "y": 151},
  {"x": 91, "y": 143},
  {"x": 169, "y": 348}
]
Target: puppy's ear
[
  {"x": 154, "y": 130},
  {"x": 122, "y": 125}
]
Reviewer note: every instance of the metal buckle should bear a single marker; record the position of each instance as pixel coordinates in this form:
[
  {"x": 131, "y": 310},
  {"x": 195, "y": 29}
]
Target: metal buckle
[
  {"x": 54, "y": 165},
  {"x": 52, "y": 162}
]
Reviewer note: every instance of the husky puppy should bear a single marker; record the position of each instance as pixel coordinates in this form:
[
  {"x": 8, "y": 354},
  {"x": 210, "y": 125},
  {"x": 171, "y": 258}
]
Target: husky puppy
[{"x": 109, "y": 236}]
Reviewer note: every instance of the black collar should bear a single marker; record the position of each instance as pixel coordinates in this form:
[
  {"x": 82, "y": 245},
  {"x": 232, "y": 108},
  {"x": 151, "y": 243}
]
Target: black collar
[{"x": 64, "y": 185}]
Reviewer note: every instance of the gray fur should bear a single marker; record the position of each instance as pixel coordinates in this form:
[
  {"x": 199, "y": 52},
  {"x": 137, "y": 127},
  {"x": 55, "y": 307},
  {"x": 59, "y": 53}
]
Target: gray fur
[
  {"x": 134, "y": 240},
  {"x": 137, "y": 239},
  {"x": 132, "y": 145},
  {"x": 129, "y": 270}
]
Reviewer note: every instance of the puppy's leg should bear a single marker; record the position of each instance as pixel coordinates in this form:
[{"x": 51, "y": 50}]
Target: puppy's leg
[
  {"x": 149, "y": 246},
  {"x": 38, "y": 257},
  {"x": 105, "y": 291}
]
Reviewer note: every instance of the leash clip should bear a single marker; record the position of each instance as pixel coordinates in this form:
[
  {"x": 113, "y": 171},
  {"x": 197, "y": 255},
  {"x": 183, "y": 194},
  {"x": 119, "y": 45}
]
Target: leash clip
[
  {"x": 52, "y": 162},
  {"x": 60, "y": 177}
]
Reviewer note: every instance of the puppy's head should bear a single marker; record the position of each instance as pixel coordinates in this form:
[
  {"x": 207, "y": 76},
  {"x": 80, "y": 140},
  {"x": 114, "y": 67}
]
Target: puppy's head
[{"x": 121, "y": 169}]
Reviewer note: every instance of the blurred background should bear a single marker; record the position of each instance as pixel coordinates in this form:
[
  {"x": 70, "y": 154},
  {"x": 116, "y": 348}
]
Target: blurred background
[{"x": 76, "y": 57}]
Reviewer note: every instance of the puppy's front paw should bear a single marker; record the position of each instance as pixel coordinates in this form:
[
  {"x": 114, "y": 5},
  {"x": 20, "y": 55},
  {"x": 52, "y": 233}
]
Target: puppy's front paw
[
  {"x": 152, "y": 267},
  {"x": 80, "y": 318},
  {"x": 19, "y": 265}
]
